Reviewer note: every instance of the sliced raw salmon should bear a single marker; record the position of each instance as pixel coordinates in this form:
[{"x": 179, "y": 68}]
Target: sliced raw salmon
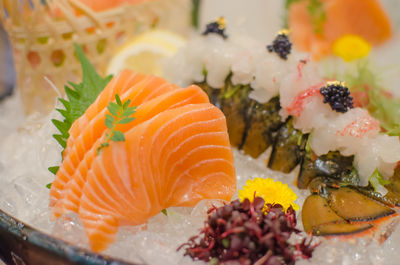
[
  {"x": 176, "y": 153},
  {"x": 365, "y": 18},
  {"x": 90, "y": 127}
]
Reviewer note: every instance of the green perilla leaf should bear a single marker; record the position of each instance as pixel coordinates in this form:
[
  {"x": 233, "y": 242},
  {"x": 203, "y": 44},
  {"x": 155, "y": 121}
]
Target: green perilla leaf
[{"x": 78, "y": 96}]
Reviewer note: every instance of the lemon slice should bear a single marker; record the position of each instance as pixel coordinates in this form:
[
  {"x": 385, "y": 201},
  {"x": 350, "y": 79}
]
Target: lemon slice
[{"x": 145, "y": 52}]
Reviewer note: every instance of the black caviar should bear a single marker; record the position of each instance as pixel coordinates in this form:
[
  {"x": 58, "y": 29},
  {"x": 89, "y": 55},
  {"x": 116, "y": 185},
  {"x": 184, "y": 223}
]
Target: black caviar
[
  {"x": 281, "y": 45},
  {"x": 243, "y": 233},
  {"x": 338, "y": 96},
  {"x": 217, "y": 27}
]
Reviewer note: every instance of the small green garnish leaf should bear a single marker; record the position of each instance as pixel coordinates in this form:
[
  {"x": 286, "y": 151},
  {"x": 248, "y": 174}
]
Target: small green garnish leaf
[
  {"x": 120, "y": 114},
  {"x": 109, "y": 121},
  {"x": 78, "y": 98},
  {"x": 49, "y": 185},
  {"x": 118, "y": 136},
  {"x": 113, "y": 108},
  {"x": 164, "y": 211},
  {"x": 378, "y": 181},
  {"x": 126, "y": 120},
  {"x": 232, "y": 92},
  {"x": 53, "y": 169}
]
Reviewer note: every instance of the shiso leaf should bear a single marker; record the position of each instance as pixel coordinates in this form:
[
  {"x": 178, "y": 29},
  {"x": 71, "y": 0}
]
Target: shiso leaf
[
  {"x": 78, "y": 97},
  {"x": 54, "y": 169}
]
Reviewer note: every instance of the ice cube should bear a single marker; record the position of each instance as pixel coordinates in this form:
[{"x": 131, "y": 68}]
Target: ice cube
[
  {"x": 31, "y": 197},
  {"x": 43, "y": 221},
  {"x": 69, "y": 228}
]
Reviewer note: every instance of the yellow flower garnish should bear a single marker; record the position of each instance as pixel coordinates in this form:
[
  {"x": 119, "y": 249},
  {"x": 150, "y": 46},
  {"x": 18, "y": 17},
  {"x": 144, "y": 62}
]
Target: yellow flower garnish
[
  {"x": 221, "y": 23},
  {"x": 351, "y": 47},
  {"x": 336, "y": 83},
  {"x": 272, "y": 192},
  {"x": 284, "y": 32}
]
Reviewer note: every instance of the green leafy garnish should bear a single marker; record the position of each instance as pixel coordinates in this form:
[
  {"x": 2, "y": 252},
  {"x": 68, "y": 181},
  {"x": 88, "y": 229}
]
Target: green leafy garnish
[
  {"x": 232, "y": 92},
  {"x": 78, "y": 98},
  {"x": 377, "y": 181},
  {"x": 120, "y": 113},
  {"x": 49, "y": 185},
  {"x": 164, "y": 211},
  {"x": 379, "y": 104},
  {"x": 54, "y": 169}
]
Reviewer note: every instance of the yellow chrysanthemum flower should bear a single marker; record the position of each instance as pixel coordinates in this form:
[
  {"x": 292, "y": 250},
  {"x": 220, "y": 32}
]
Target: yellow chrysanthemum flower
[
  {"x": 351, "y": 47},
  {"x": 272, "y": 192}
]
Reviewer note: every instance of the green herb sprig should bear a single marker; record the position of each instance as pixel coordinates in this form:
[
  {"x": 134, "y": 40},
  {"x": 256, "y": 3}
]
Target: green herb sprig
[
  {"x": 78, "y": 98},
  {"x": 120, "y": 113}
]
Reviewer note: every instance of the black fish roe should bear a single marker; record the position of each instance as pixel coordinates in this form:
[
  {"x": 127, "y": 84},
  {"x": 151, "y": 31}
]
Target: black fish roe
[
  {"x": 243, "y": 233},
  {"x": 281, "y": 45},
  {"x": 217, "y": 27},
  {"x": 338, "y": 96}
]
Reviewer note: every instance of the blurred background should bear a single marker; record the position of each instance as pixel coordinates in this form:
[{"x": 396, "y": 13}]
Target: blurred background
[
  {"x": 7, "y": 72},
  {"x": 260, "y": 19}
]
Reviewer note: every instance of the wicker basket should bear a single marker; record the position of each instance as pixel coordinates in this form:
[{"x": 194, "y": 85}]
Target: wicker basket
[{"x": 42, "y": 38}]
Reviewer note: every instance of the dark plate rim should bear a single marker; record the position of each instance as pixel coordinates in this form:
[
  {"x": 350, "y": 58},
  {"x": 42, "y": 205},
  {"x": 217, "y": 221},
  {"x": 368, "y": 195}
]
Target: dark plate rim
[{"x": 31, "y": 237}]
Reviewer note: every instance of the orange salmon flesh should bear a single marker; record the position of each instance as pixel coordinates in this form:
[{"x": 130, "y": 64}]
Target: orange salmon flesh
[{"x": 176, "y": 152}]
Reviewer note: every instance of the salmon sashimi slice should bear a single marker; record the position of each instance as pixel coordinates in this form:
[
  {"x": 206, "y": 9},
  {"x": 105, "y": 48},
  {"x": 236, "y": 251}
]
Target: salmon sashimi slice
[
  {"x": 90, "y": 127},
  {"x": 365, "y": 18},
  {"x": 69, "y": 200},
  {"x": 129, "y": 195},
  {"x": 176, "y": 153}
]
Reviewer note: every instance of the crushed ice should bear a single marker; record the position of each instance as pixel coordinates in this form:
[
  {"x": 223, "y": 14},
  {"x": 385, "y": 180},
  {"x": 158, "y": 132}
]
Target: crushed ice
[{"x": 27, "y": 149}]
